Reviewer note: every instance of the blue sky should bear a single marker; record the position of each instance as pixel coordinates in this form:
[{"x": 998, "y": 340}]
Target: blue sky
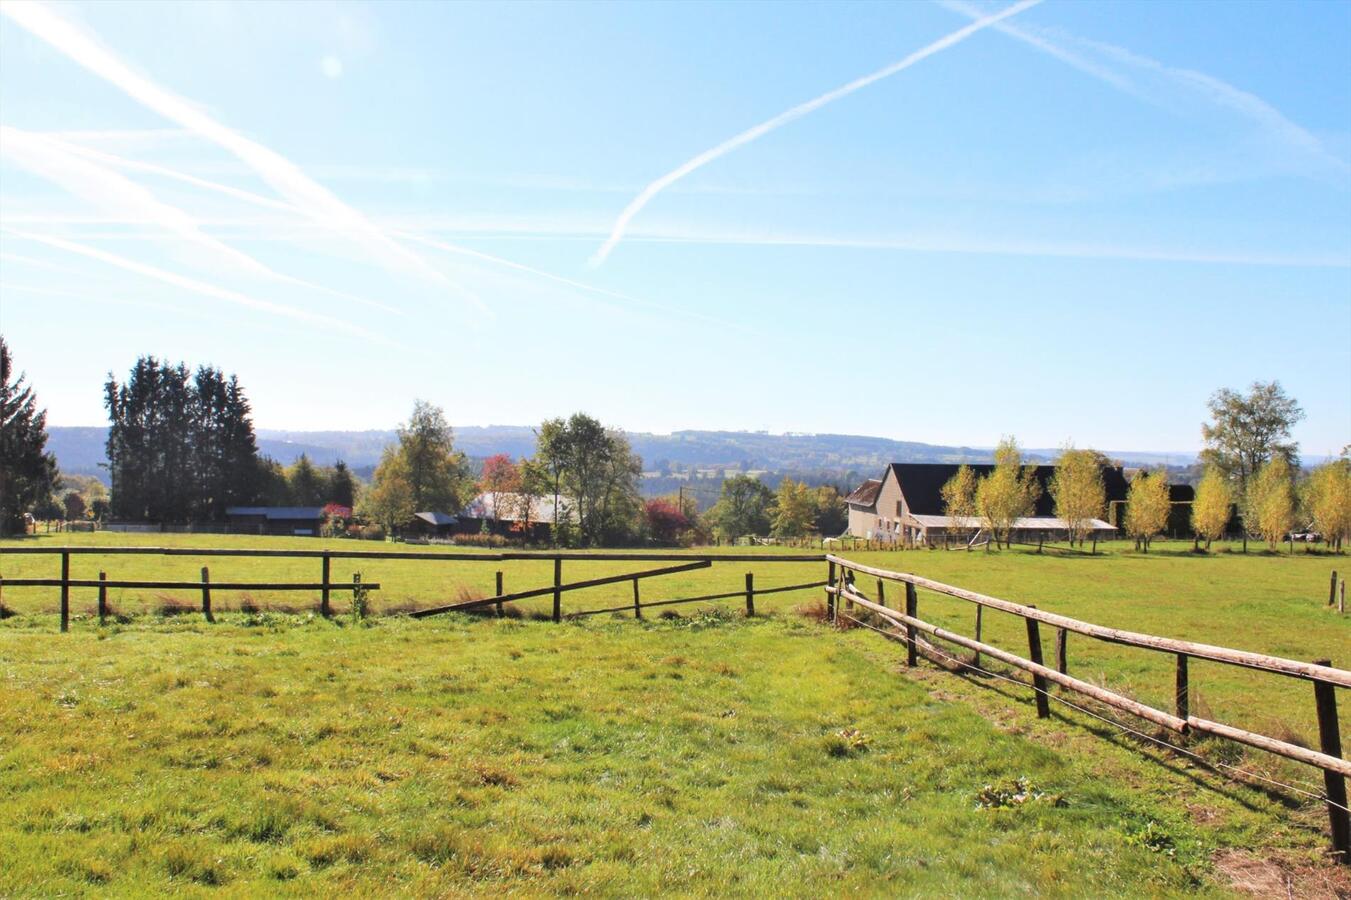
[{"x": 1074, "y": 222}]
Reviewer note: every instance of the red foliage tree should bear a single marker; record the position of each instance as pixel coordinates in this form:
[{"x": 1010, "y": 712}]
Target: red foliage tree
[
  {"x": 500, "y": 476},
  {"x": 665, "y": 520}
]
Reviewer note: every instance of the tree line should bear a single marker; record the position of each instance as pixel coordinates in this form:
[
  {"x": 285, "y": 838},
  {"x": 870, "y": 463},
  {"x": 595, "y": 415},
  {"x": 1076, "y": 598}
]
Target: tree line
[{"x": 182, "y": 448}]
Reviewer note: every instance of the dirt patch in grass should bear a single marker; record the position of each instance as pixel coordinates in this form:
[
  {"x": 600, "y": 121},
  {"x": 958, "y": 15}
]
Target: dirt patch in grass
[{"x": 1274, "y": 875}]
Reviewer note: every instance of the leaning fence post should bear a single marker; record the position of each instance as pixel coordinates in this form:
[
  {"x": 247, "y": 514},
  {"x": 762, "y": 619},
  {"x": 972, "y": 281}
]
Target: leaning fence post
[
  {"x": 558, "y": 589},
  {"x": 830, "y": 592},
  {"x": 750, "y": 594},
  {"x": 637, "y": 603},
  {"x": 1181, "y": 692},
  {"x": 1061, "y": 656},
  {"x": 323, "y": 595},
  {"x": 1038, "y": 681},
  {"x": 500, "y": 613},
  {"x": 65, "y": 590},
  {"x": 206, "y": 595},
  {"x": 911, "y": 610},
  {"x": 103, "y": 597},
  {"x": 1334, "y": 783}
]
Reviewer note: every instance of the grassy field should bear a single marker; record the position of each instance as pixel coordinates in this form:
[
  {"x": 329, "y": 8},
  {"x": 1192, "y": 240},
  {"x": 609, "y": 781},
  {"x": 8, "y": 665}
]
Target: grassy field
[{"x": 276, "y": 753}]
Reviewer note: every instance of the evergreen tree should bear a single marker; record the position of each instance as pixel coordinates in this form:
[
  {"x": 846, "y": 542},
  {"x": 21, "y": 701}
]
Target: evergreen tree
[
  {"x": 308, "y": 486},
  {"x": 181, "y": 447},
  {"x": 27, "y": 470},
  {"x": 342, "y": 485}
]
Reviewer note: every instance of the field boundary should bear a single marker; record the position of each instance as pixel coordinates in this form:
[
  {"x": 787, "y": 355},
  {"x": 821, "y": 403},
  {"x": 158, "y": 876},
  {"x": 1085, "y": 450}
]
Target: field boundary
[{"x": 842, "y": 588}]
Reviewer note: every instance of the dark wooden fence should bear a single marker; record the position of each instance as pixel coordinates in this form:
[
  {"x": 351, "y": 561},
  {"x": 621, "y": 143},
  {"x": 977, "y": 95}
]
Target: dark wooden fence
[
  {"x": 843, "y": 589},
  {"x": 685, "y": 562}
]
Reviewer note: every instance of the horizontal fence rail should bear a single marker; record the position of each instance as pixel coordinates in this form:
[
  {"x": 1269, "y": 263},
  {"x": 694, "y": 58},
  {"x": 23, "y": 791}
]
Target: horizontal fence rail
[
  {"x": 842, "y": 588},
  {"x": 1293, "y": 668},
  {"x": 462, "y": 556},
  {"x": 683, "y": 562}
]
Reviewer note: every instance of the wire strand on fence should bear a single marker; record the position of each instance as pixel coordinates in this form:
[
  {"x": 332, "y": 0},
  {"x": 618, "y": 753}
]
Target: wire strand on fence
[{"x": 1210, "y": 764}]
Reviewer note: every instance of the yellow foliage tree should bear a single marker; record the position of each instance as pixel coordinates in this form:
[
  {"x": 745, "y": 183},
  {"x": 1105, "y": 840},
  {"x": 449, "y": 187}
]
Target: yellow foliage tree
[
  {"x": 389, "y": 500},
  {"x": 959, "y": 499},
  {"x": 1008, "y": 493},
  {"x": 1078, "y": 490},
  {"x": 1327, "y": 498},
  {"x": 1210, "y": 509},
  {"x": 1147, "y": 507},
  {"x": 1270, "y": 506},
  {"x": 795, "y": 509}
]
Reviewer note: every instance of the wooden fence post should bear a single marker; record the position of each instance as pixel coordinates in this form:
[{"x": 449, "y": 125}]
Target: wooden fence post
[
  {"x": 1341, "y": 598},
  {"x": 911, "y": 610},
  {"x": 1334, "y": 783},
  {"x": 1332, "y": 589},
  {"x": 881, "y": 593},
  {"x": 65, "y": 590},
  {"x": 1061, "y": 656},
  {"x": 1181, "y": 691},
  {"x": 500, "y": 611},
  {"x": 637, "y": 603},
  {"x": 1038, "y": 681},
  {"x": 558, "y": 590},
  {"x": 323, "y": 595},
  {"x": 830, "y": 592},
  {"x": 103, "y": 598},
  {"x": 750, "y": 594},
  {"x": 206, "y": 595},
  {"x": 980, "y": 616}
]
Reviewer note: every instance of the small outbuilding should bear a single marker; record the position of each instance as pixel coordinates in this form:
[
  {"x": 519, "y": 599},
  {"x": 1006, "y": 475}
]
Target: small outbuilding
[
  {"x": 433, "y": 524},
  {"x": 303, "y": 521}
]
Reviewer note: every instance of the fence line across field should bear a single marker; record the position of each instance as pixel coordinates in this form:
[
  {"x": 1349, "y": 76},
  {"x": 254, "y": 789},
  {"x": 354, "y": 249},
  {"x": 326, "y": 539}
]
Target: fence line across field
[
  {"x": 684, "y": 562},
  {"x": 843, "y": 588}
]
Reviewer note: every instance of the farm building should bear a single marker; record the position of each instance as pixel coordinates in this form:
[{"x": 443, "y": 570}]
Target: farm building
[
  {"x": 432, "y": 524},
  {"x": 292, "y": 520},
  {"x": 513, "y": 513},
  {"x": 906, "y": 505}
]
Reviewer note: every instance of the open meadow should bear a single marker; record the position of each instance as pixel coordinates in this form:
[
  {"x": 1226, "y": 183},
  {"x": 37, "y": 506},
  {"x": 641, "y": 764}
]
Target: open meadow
[{"x": 276, "y": 751}]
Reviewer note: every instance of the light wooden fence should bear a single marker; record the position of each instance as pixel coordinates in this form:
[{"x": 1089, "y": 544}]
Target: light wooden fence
[{"x": 918, "y": 635}]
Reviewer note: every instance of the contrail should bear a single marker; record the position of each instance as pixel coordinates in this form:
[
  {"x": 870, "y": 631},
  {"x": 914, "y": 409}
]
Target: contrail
[
  {"x": 287, "y": 178},
  {"x": 191, "y": 284},
  {"x": 282, "y": 206},
  {"x": 1217, "y": 91},
  {"x": 61, "y": 162},
  {"x": 790, "y": 115},
  {"x": 549, "y": 276}
]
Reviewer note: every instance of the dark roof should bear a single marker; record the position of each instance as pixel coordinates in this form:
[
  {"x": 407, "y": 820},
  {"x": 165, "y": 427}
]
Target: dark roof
[
  {"x": 922, "y": 485},
  {"x": 277, "y": 512},
  {"x": 1181, "y": 493},
  {"x": 436, "y": 518},
  {"x": 865, "y": 494}
]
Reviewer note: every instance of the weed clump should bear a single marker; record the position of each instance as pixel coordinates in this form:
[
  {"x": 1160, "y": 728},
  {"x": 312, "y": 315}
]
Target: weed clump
[
  {"x": 847, "y": 742},
  {"x": 193, "y": 863},
  {"x": 1015, "y": 793}
]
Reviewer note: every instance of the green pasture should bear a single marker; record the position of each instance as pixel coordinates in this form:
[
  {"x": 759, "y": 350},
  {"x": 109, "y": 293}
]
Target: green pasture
[{"x": 276, "y": 752}]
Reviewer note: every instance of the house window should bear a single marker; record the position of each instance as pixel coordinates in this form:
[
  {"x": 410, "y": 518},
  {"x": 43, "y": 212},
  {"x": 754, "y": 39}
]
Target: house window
[{"x": 899, "y": 511}]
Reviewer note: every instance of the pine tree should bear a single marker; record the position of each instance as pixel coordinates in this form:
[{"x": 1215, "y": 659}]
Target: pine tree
[
  {"x": 342, "y": 485},
  {"x": 181, "y": 447},
  {"x": 27, "y": 471}
]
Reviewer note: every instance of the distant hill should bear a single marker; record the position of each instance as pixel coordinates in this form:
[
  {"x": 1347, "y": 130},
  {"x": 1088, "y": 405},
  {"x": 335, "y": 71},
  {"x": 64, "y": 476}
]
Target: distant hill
[{"x": 80, "y": 450}]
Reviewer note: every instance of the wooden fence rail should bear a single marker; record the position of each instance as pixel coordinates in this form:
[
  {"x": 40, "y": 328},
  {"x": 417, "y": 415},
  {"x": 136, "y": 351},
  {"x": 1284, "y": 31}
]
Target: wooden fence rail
[{"x": 843, "y": 588}]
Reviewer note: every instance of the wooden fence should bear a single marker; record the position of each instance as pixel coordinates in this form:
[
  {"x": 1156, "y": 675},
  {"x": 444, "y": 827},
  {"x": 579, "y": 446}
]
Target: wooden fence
[
  {"x": 843, "y": 588},
  {"x": 685, "y": 562}
]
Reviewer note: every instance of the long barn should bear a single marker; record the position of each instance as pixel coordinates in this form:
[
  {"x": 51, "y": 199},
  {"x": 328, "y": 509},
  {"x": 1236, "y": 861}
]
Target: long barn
[{"x": 905, "y": 505}]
